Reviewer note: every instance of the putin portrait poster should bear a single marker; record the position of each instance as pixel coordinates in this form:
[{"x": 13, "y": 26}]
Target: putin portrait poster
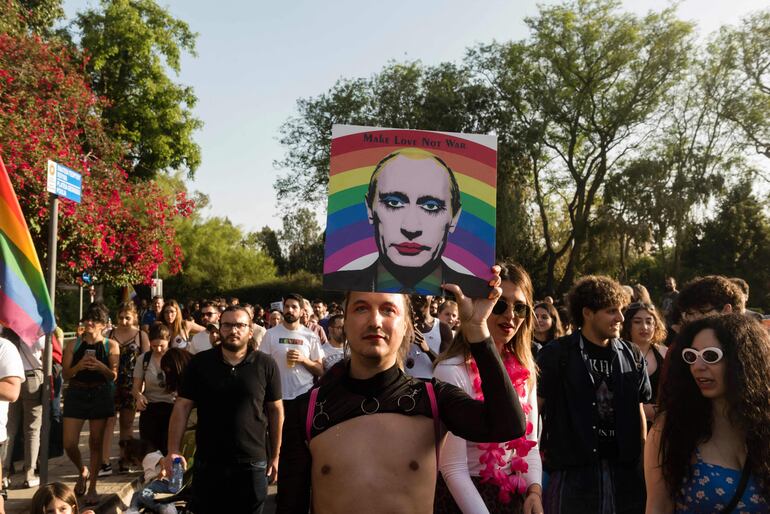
[{"x": 410, "y": 210}]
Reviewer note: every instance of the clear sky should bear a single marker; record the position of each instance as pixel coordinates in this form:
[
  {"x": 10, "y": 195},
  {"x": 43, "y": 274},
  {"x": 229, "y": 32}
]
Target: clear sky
[{"x": 256, "y": 58}]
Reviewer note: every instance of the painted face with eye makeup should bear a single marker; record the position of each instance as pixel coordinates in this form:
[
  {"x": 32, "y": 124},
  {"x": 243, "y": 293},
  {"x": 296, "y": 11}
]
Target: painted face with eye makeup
[{"x": 412, "y": 212}]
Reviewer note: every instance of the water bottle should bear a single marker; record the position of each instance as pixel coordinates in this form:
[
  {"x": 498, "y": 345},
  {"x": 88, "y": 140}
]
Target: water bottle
[{"x": 177, "y": 474}]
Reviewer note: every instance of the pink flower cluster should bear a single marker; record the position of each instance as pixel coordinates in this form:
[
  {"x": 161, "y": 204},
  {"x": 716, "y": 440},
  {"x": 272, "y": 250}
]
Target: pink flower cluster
[{"x": 506, "y": 474}]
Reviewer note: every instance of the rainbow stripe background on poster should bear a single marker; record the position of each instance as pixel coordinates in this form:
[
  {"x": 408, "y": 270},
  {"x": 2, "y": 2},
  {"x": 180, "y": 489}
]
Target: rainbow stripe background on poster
[{"x": 355, "y": 152}]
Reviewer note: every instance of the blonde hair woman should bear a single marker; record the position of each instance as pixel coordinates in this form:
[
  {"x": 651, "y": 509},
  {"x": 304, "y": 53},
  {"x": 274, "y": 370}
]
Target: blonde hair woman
[{"x": 492, "y": 477}]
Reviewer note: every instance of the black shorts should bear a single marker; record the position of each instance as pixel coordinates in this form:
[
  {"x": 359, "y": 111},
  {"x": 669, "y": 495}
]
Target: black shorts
[{"x": 89, "y": 402}]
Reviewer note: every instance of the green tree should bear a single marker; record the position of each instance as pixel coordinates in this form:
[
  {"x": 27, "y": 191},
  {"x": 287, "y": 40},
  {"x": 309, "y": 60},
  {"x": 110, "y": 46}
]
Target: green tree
[
  {"x": 302, "y": 241},
  {"x": 130, "y": 47},
  {"x": 734, "y": 242},
  {"x": 266, "y": 241},
  {"x": 745, "y": 50},
  {"x": 216, "y": 258},
  {"x": 584, "y": 86},
  {"x": 445, "y": 97}
]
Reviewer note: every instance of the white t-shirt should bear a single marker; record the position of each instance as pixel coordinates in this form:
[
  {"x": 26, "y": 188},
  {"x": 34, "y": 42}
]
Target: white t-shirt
[
  {"x": 279, "y": 340},
  {"x": 200, "y": 343},
  {"x": 10, "y": 366},
  {"x": 151, "y": 466},
  {"x": 423, "y": 366},
  {"x": 154, "y": 381},
  {"x": 332, "y": 355}
]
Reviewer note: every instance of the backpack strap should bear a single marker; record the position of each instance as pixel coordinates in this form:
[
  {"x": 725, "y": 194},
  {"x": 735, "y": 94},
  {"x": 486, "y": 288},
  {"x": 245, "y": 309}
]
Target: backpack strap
[
  {"x": 310, "y": 413},
  {"x": 436, "y": 420},
  {"x": 77, "y": 345},
  {"x": 146, "y": 361}
]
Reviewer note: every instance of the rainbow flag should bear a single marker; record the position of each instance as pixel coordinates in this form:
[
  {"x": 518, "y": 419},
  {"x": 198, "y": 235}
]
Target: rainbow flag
[
  {"x": 25, "y": 305},
  {"x": 355, "y": 152}
]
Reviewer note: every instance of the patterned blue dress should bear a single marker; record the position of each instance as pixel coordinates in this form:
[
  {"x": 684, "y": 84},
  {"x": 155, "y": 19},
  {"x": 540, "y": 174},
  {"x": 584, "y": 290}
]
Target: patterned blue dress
[{"x": 711, "y": 488}]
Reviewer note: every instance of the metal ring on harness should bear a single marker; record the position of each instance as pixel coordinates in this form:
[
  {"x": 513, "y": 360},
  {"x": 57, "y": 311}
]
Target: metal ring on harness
[
  {"x": 376, "y": 406},
  {"x": 316, "y": 425},
  {"x": 408, "y": 397}
]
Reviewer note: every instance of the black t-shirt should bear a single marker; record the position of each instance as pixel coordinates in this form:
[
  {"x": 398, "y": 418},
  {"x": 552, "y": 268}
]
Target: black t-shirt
[
  {"x": 600, "y": 363},
  {"x": 232, "y": 422}
]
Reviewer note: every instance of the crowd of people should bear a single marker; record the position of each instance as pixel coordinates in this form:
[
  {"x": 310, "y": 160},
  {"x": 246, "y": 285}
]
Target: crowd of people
[{"x": 600, "y": 402}]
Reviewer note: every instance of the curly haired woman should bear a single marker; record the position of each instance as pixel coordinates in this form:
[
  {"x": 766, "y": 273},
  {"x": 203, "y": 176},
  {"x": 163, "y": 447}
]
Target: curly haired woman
[{"x": 709, "y": 450}]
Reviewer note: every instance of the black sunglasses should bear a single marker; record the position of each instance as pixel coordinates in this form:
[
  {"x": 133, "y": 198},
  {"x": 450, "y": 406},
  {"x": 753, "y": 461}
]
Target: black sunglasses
[{"x": 520, "y": 310}]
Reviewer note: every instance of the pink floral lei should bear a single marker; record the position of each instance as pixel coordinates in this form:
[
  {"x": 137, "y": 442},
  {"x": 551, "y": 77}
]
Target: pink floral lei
[{"x": 506, "y": 474}]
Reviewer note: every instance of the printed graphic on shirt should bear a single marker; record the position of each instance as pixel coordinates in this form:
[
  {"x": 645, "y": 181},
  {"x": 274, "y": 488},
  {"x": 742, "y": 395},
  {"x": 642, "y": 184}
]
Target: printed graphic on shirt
[
  {"x": 288, "y": 340},
  {"x": 600, "y": 363}
]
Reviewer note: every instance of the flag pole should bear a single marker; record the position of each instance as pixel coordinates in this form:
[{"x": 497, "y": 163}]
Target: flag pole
[{"x": 45, "y": 432}]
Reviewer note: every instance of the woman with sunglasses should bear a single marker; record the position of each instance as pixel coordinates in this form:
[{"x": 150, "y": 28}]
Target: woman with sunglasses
[
  {"x": 709, "y": 450},
  {"x": 152, "y": 399},
  {"x": 91, "y": 366},
  {"x": 506, "y": 477},
  {"x": 181, "y": 329},
  {"x": 132, "y": 342},
  {"x": 643, "y": 326}
]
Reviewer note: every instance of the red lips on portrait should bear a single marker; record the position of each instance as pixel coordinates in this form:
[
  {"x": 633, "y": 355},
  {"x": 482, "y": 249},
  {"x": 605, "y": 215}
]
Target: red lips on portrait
[{"x": 410, "y": 248}]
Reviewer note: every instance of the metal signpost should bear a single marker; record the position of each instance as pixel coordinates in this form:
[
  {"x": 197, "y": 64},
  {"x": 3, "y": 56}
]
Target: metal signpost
[{"x": 66, "y": 183}]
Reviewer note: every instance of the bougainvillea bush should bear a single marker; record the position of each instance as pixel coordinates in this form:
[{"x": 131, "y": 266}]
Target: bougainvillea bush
[{"x": 123, "y": 229}]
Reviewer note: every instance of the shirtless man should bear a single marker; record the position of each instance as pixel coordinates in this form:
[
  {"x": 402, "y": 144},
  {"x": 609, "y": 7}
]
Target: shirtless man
[{"x": 368, "y": 401}]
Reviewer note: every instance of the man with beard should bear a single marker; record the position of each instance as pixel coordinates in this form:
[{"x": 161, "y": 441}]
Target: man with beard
[
  {"x": 668, "y": 299},
  {"x": 591, "y": 388},
  {"x": 295, "y": 348},
  {"x": 413, "y": 203},
  {"x": 237, "y": 391}
]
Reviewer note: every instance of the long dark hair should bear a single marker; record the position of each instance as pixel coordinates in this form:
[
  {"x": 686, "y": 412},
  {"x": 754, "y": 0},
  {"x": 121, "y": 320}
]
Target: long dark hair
[
  {"x": 658, "y": 336},
  {"x": 689, "y": 415},
  {"x": 173, "y": 363},
  {"x": 556, "y": 330}
]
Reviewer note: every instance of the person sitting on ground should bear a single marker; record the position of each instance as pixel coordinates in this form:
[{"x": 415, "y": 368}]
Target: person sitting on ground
[
  {"x": 712, "y": 294},
  {"x": 644, "y": 327},
  {"x": 391, "y": 424},
  {"x": 496, "y": 478},
  {"x": 155, "y": 480},
  {"x": 709, "y": 450},
  {"x": 55, "y": 498}
]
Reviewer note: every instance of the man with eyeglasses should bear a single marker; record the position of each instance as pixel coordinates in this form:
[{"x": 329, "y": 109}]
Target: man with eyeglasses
[
  {"x": 209, "y": 338},
  {"x": 709, "y": 295},
  {"x": 237, "y": 391},
  {"x": 590, "y": 393}
]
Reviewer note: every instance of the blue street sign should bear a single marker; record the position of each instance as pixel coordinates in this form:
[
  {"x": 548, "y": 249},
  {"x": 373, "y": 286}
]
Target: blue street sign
[
  {"x": 86, "y": 277},
  {"x": 64, "y": 182}
]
